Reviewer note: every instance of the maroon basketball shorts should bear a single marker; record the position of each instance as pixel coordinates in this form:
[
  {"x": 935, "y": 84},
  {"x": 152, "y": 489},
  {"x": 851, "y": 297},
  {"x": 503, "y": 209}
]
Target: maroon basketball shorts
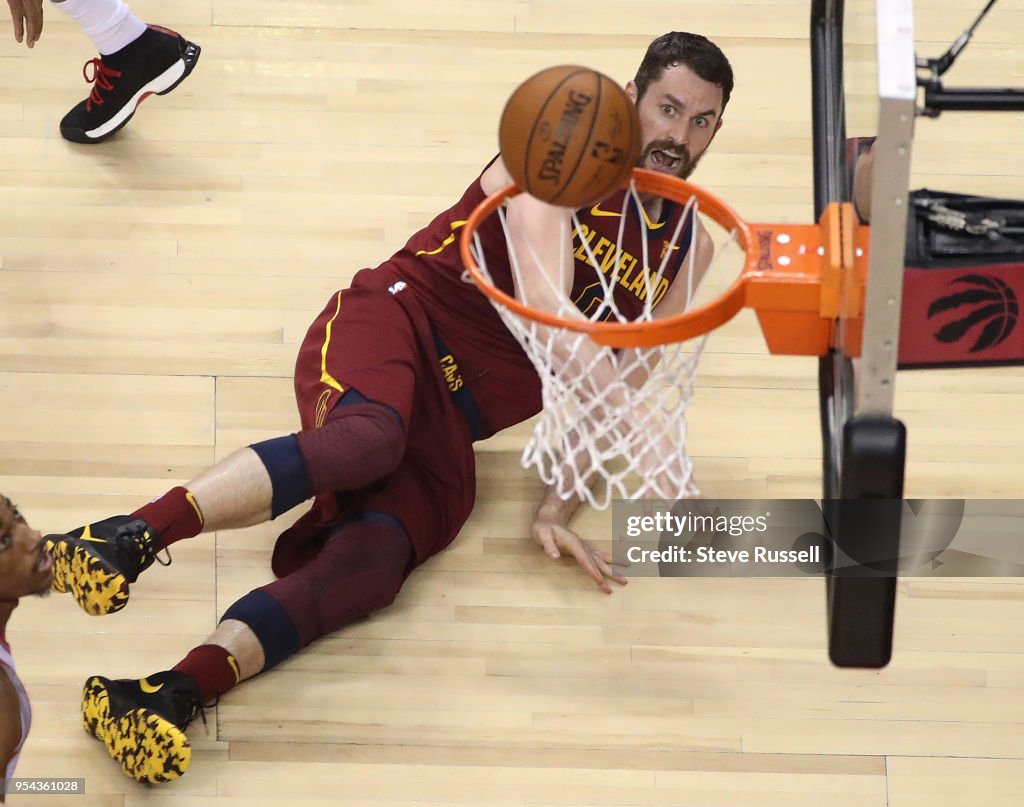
[{"x": 383, "y": 346}]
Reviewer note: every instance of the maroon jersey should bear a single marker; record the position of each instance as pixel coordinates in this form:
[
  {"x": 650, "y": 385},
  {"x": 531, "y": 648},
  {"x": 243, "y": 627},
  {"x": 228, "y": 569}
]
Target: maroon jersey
[
  {"x": 597, "y": 247},
  {"x": 491, "y": 363}
]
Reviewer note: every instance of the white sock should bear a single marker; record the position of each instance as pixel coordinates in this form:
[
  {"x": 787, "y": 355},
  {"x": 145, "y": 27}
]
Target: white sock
[{"x": 110, "y": 24}]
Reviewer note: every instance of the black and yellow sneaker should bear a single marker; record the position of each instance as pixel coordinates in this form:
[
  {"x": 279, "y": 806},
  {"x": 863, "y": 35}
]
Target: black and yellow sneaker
[
  {"x": 142, "y": 722},
  {"x": 97, "y": 562}
]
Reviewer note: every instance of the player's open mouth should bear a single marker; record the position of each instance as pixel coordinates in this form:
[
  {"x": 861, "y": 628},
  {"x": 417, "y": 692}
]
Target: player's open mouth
[{"x": 664, "y": 160}]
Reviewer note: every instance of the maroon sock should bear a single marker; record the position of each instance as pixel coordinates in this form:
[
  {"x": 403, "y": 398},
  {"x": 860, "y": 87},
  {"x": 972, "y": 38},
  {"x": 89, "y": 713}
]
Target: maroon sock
[
  {"x": 213, "y": 668},
  {"x": 174, "y": 516}
]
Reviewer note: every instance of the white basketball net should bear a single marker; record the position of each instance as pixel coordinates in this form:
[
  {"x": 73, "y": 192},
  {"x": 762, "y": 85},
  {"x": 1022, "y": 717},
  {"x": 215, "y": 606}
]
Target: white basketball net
[{"x": 606, "y": 433}]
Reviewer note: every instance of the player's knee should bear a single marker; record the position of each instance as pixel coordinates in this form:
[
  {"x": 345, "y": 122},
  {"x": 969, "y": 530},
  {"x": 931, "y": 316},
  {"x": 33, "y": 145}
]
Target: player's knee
[{"x": 356, "y": 446}]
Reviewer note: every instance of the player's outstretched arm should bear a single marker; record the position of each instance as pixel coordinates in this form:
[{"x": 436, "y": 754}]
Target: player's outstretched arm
[
  {"x": 540, "y": 247},
  {"x": 543, "y": 274},
  {"x": 27, "y": 16},
  {"x": 541, "y": 239}
]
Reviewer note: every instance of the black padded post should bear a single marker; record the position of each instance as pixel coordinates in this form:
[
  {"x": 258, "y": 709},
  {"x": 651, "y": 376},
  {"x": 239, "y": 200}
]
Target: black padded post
[{"x": 864, "y": 523}]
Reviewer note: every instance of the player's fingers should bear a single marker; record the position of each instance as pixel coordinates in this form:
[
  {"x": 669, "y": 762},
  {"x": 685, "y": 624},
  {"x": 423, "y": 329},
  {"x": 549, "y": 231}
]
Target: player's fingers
[
  {"x": 35, "y": 26},
  {"x": 610, "y": 560},
  {"x": 19, "y": 26},
  {"x": 546, "y": 537},
  {"x": 582, "y": 554},
  {"x": 608, "y": 570}
]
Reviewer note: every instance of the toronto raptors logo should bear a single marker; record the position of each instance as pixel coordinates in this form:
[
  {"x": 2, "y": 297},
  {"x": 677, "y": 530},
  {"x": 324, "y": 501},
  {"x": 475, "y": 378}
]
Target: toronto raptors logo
[{"x": 983, "y": 308}]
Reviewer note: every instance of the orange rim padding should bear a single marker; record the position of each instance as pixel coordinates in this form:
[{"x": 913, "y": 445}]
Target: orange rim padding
[{"x": 800, "y": 279}]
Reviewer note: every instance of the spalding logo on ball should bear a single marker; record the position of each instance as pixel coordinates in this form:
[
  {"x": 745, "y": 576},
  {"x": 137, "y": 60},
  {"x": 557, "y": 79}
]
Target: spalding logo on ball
[{"x": 570, "y": 136}]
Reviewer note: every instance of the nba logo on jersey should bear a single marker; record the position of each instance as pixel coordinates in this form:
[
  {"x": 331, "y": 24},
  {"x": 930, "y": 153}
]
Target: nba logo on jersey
[{"x": 394, "y": 288}]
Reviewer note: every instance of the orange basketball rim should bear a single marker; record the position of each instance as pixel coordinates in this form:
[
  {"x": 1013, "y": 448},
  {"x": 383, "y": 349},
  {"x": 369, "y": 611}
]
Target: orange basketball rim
[{"x": 804, "y": 281}]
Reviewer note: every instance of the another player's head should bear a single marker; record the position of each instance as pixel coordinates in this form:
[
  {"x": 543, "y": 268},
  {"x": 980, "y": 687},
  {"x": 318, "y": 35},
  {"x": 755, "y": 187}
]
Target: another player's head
[
  {"x": 25, "y": 565},
  {"x": 681, "y": 89}
]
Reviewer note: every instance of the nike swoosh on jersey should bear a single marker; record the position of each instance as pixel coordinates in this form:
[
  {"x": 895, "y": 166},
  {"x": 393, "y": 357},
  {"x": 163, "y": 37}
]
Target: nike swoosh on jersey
[
  {"x": 597, "y": 212},
  {"x": 148, "y": 688}
]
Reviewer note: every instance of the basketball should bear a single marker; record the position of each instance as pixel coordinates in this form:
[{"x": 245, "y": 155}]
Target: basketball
[{"x": 569, "y": 136}]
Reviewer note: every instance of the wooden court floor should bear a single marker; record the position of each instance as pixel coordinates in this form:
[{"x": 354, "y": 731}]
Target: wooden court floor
[{"x": 154, "y": 291}]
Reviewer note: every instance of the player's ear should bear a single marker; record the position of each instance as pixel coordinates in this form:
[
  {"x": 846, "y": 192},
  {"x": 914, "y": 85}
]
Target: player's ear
[{"x": 631, "y": 90}]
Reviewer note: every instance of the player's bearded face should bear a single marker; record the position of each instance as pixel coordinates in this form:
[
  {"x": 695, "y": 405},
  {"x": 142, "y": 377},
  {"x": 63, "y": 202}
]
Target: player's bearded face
[
  {"x": 679, "y": 115},
  {"x": 669, "y": 158}
]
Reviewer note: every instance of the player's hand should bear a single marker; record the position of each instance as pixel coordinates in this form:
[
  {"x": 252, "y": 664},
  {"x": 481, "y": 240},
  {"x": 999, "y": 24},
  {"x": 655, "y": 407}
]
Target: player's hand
[
  {"x": 558, "y": 540},
  {"x": 27, "y": 16}
]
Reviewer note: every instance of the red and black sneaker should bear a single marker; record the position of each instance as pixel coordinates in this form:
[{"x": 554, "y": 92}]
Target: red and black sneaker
[{"x": 155, "y": 63}]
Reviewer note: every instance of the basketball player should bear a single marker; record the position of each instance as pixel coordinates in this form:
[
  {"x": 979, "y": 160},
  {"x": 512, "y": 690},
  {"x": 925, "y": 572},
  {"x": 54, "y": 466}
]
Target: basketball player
[
  {"x": 25, "y": 568},
  {"x": 135, "y": 62},
  {"x": 396, "y": 378}
]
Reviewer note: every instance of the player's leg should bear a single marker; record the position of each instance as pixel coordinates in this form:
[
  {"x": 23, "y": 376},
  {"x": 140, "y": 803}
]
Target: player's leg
[
  {"x": 360, "y": 442},
  {"x": 143, "y": 722},
  {"x": 136, "y": 60},
  {"x": 324, "y": 585},
  {"x": 348, "y": 441}
]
